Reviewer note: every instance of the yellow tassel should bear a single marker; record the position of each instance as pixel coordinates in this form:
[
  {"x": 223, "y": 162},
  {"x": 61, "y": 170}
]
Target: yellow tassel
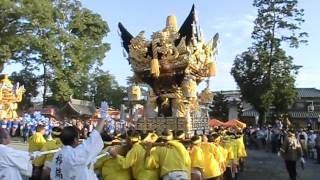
[
  {"x": 212, "y": 68},
  {"x": 135, "y": 93},
  {"x": 155, "y": 71}
]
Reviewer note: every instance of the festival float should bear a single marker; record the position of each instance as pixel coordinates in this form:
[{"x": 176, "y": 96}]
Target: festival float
[
  {"x": 172, "y": 63},
  {"x": 10, "y": 96}
]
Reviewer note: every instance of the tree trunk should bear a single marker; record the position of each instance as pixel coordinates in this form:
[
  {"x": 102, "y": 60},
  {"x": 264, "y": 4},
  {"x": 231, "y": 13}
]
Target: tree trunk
[
  {"x": 271, "y": 48},
  {"x": 262, "y": 119},
  {"x": 44, "y": 85}
]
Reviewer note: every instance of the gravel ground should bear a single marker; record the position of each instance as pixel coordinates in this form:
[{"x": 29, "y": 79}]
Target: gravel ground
[{"x": 261, "y": 165}]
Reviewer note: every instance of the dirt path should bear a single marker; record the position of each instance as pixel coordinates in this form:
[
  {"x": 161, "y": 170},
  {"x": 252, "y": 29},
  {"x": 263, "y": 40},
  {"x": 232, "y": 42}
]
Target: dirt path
[{"x": 262, "y": 165}]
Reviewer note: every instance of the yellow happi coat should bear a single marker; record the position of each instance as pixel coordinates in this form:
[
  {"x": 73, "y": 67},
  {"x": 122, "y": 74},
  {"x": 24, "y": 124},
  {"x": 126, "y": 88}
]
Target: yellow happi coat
[
  {"x": 172, "y": 157},
  {"x": 36, "y": 142},
  {"x": 211, "y": 165},
  {"x": 135, "y": 159},
  {"x": 46, "y": 159},
  {"x": 110, "y": 169}
]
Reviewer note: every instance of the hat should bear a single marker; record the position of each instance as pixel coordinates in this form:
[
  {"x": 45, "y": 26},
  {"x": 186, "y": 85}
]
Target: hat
[
  {"x": 151, "y": 137},
  {"x": 135, "y": 137},
  {"x": 56, "y": 131},
  {"x": 196, "y": 139},
  {"x": 167, "y": 135},
  {"x": 180, "y": 135},
  {"x": 154, "y": 137},
  {"x": 210, "y": 138},
  {"x": 107, "y": 139}
]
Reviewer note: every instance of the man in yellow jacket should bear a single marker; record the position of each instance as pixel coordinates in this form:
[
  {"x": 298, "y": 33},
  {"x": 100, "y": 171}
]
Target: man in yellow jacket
[
  {"x": 197, "y": 158},
  {"x": 108, "y": 167},
  {"x": 170, "y": 156},
  {"x": 211, "y": 165},
  {"x": 230, "y": 156},
  {"x": 45, "y": 161},
  {"x": 241, "y": 151},
  {"x": 134, "y": 159},
  {"x": 36, "y": 142},
  {"x": 219, "y": 151}
]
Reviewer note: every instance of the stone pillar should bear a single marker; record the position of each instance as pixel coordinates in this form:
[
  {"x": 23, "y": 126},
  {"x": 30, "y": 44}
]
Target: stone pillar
[{"x": 233, "y": 110}]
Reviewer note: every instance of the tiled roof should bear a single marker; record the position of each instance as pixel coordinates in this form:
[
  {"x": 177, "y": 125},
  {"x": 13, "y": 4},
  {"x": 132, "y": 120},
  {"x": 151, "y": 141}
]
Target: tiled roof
[
  {"x": 250, "y": 113},
  {"x": 82, "y": 107},
  {"x": 302, "y": 92},
  {"x": 308, "y": 92},
  {"x": 293, "y": 114},
  {"x": 304, "y": 114}
]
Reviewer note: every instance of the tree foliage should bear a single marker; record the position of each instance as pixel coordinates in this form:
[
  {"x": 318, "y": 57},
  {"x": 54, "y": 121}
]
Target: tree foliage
[
  {"x": 219, "y": 107},
  {"x": 105, "y": 88},
  {"x": 58, "y": 37},
  {"x": 30, "y": 83},
  {"x": 278, "y": 21},
  {"x": 264, "y": 73}
]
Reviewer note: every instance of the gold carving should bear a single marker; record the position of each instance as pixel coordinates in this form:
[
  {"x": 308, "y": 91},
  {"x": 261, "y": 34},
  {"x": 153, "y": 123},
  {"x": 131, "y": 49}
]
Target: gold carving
[
  {"x": 9, "y": 97},
  {"x": 165, "y": 54}
]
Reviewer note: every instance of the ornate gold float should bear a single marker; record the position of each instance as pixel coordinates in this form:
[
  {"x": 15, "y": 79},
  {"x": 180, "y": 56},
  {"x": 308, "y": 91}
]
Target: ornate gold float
[
  {"x": 173, "y": 62},
  {"x": 10, "y": 95}
]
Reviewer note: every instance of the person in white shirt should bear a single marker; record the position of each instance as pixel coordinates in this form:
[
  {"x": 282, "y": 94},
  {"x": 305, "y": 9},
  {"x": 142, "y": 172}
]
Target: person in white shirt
[
  {"x": 312, "y": 144},
  {"x": 302, "y": 135},
  {"x": 303, "y": 139},
  {"x": 73, "y": 161},
  {"x": 13, "y": 162}
]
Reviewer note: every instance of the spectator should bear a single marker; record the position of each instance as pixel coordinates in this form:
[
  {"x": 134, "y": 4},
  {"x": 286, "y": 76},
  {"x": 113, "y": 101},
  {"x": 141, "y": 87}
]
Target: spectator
[
  {"x": 317, "y": 145},
  {"x": 9, "y": 126},
  {"x": 311, "y": 144},
  {"x": 4, "y": 124},
  {"x": 261, "y": 136},
  {"x": 269, "y": 138},
  {"x": 15, "y": 126},
  {"x": 25, "y": 132},
  {"x": 303, "y": 139},
  {"x": 291, "y": 151}
]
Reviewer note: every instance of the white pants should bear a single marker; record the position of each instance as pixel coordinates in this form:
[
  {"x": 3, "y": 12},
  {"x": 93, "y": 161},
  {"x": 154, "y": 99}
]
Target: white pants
[{"x": 176, "y": 175}]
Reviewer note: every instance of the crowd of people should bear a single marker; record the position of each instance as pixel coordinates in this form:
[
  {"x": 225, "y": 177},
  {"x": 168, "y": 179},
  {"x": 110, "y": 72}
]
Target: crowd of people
[
  {"x": 21, "y": 128},
  {"x": 89, "y": 151},
  {"x": 302, "y": 144},
  {"x": 218, "y": 154},
  {"x": 271, "y": 138}
]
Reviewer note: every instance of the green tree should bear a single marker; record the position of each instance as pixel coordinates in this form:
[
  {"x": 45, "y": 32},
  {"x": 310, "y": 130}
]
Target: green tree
[
  {"x": 105, "y": 88},
  {"x": 8, "y": 29},
  {"x": 30, "y": 83},
  {"x": 61, "y": 39},
  {"x": 261, "y": 70},
  {"x": 219, "y": 107},
  {"x": 16, "y": 30},
  {"x": 80, "y": 47},
  {"x": 285, "y": 93}
]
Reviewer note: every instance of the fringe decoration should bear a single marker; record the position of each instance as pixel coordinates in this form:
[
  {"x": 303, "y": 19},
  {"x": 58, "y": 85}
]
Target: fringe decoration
[{"x": 155, "y": 70}]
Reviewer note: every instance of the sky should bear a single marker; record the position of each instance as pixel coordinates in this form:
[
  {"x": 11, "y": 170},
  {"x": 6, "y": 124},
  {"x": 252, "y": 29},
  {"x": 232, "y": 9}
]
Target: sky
[{"x": 232, "y": 19}]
